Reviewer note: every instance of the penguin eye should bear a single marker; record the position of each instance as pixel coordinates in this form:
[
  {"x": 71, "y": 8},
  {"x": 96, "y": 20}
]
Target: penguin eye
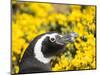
[{"x": 52, "y": 39}]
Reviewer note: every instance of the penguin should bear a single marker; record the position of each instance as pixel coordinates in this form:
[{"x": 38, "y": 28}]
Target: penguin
[{"x": 42, "y": 50}]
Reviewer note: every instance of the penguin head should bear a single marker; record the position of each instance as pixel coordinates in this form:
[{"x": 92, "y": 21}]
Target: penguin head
[
  {"x": 50, "y": 44},
  {"x": 55, "y": 43}
]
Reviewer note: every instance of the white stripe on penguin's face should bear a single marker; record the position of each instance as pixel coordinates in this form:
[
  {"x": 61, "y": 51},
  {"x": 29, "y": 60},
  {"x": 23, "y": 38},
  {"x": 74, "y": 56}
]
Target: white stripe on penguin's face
[{"x": 38, "y": 46}]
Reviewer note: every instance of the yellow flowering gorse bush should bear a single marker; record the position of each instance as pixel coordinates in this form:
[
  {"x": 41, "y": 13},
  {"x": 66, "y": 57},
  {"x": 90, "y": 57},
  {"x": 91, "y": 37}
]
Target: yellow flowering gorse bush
[{"x": 32, "y": 19}]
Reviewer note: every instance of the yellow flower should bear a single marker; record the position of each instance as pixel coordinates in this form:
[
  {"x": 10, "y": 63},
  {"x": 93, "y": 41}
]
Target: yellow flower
[
  {"x": 13, "y": 58},
  {"x": 17, "y": 69},
  {"x": 33, "y": 19}
]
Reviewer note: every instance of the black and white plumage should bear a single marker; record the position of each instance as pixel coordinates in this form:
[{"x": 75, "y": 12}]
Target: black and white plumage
[{"x": 41, "y": 50}]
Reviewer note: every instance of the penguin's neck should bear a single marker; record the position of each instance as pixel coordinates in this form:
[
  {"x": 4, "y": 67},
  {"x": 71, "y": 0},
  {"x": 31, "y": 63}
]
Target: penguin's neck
[
  {"x": 38, "y": 53},
  {"x": 40, "y": 57}
]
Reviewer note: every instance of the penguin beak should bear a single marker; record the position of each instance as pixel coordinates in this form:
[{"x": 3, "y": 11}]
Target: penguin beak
[{"x": 64, "y": 39}]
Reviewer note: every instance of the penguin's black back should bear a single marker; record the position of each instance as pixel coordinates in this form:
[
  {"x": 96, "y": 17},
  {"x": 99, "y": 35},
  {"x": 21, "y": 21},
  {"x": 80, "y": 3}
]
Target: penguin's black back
[{"x": 33, "y": 66}]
